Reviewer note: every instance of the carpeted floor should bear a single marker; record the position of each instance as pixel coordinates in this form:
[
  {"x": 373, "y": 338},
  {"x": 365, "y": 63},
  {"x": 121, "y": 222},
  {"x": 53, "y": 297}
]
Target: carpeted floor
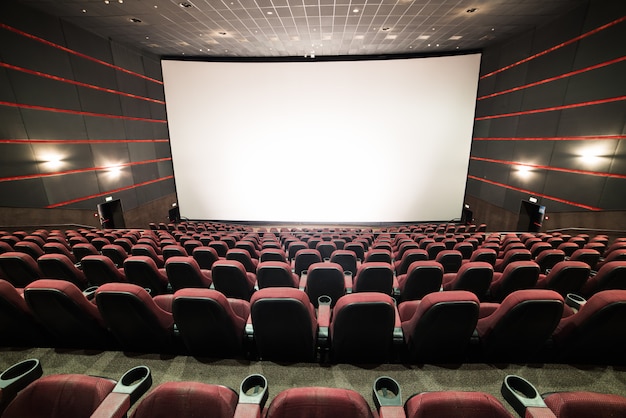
[{"x": 412, "y": 378}]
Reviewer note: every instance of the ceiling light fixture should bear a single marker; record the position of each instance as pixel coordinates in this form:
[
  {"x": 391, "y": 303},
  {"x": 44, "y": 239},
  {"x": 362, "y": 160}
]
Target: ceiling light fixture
[
  {"x": 185, "y": 4},
  {"x": 135, "y": 20},
  {"x": 471, "y": 10}
]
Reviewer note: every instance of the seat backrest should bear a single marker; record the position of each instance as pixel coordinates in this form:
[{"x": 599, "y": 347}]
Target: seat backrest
[
  {"x": 205, "y": 256},
  {"x": 183, "y": 272},
  {"x": 272, "y": 254},
  {"x": 147, "y": 250},
  {"x": 362, "y": 327},
  {"x": 585, "y": 404},
  {"x": 143, "y": 271},
  {"x": 59, "y": 266},
  {"x": 60, "y": 396},
  {"x": 568, "y": 277},
  {"x": 433, "y": 249},
  {"x": 99, "y": 269},
  {"x": 475, "y": 277},
  {"x": 221, "y": 247},
  {"x": 174, "y": 250},
  {"x": 410, "y": 256},
  {"x": 548, "y": 259},
  {"x": 357, "y": 248},
  {"x": 30, "y": 248},
  {"x": 243, "y": 256},
  {"x": 135, "y": 320},
  {"x": 18, "y": 326},
  {"x": 455, "y": 404},
  {"x": 275, "y": 274},
  {"x": 381, "y": 255},
  {"x": 441, "y": 326},
  {"x": 346, "y": 259},
  {"x": 304, "y": 258},
  {"x": 517, "y": 275},
  {"x": 284, "y": 324},
  {"x": 521, "y": 325},
  {"x": 487, "y": 255},
  {"x": 374, "y": 277},
  {"x": 58, "y": 248},
  {"x": 210, "y": 325},
  {"x": 19, "y": 269},
  {"x": 595, "y": 334},
  {"x": 612, "y": 275},
  {"x": 318, "y": 402},
  {"x": 230, "y": 278},
  {"x": 116, "y": 253},
  {"x": 422, "y": 278},
  {"x": 450, "y": 260},
  {"x": 65, "y": 311},
  {"x": 325, "y": 279},
  {"x": 83, "y": 249}
]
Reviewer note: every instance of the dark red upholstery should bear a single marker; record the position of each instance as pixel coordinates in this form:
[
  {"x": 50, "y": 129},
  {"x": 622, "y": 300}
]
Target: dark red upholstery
[
  {"x": 326, "y": 249},
  {"x": 548, "y": 259},
  {"x": 275, "y": 274},
  {"x": 173, "y": 250},
  {"x": 83, "y": 249},
  {"x": 362, "y": 327},
  {"x": 220, "y": 247},
  {"x": 565, "y": 277},
  {"x": 585, "y": 404},
  {"x": 187, "y": 399},
  {"x": 210, "y": 325},
  {"x": 18, "y": 326},
  {"x": 374, "y": 277},
  {"x": 272, "y": 254},
  {"x": 19, "y": 269},
  {"x": 143, "y": 271},
  {"x": 135, "y": 319},
  {"x": 99, "y": 269},
  {"x": 318, "y": 402},
  {"x": 60, "y": 267},
  {"x": 516, "y": 254},
  {"x": 378, "y": 255},
  {"x": 596, "y": 334},
  {"x": 30, "y": 248},
  {"x": 285, "y": 326},
  {"x": 487, "y": 255},
  {"x": 357, "y": 248},
  {"x": 440, "y": 326},
  {"x": 192, "y": 244},
  {"x": 586, "y": 255},
  {"x": 346, "y": 259},
  {"x": 60, "y": 396},
  {"x": 65, "y": 311},
  {"x": 205, "y": 256},
  {"x": 422, "y": 278},
  {"x": 231, "y": 278},
  {"x": 58, "y": 248},
  {"x": 243, "y": 256},
  {"x": 474, "y": 276},
  {"x": 325, "y": 279},
  {"x": 411, "y": 255},
  {"x": 183, "y": 272},
  {"x": 304, "y": 258},
  {"x": 612, "y": 275},
  {"x": 455, "y": 404},
  {"x": 517, "y": 275},
  {"x": 520, "y": 326},
  {"x": 147, "y": 250},
  {"x": 116, "y": 253},
  {"x": 451, "y": 260}
]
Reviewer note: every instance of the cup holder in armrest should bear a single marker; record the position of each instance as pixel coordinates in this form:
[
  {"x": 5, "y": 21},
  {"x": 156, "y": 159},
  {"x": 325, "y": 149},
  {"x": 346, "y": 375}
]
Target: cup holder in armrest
[
  {"x": 386, "y": 392},
  {"x": 20, "y": 375},
  {"x": 253, "y": 390},
  {"x": 90, "y": 292},
  {"x": 521, "y": 394},
  {"x": 324, "y": 300},
  {"x": 575, "y": 301},
  {"x": 134, "y": 383}
]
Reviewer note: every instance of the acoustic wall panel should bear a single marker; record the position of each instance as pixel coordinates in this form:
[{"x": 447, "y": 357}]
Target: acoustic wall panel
[
  {"x": 52, "y": 125},
  {"x": 23, "y": 193}
]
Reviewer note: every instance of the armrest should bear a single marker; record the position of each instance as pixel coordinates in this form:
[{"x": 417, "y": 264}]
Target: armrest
[
  {"x": 388, "y": 398},
  {"x": 486, "y": 309},
  {"x": 524, "y": 398},
  {"x": 249, "y": 330},
  {"x": 253, "y": 394},
  {"x": 398, "y": 335},
  {"x": 323, "y": 321},
  {"x": 347, "y": 278},
  {"x": 396, "y": 287},
  {"x": 133, "y": 384},
  {"x": 17, "y": 377},
  {"x": 303, "y": 277},
  {"x": 90, "y": 292}
]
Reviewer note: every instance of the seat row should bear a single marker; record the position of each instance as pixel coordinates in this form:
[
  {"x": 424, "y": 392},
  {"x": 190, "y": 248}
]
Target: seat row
[
  {"x": 282, "y": 324},
  {"x": 25, "y": 393}
]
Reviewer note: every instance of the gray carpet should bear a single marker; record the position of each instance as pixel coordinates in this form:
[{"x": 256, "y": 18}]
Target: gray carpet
[{"x": 412, "y": 378}]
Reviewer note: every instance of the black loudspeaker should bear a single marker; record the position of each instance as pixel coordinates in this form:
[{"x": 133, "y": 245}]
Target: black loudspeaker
[
  {"x": 530, "y": 217},
  {"x": 111, "y": 214},
  {"x": 467, "y": 216},
  {"x": 174, "y": 215}
]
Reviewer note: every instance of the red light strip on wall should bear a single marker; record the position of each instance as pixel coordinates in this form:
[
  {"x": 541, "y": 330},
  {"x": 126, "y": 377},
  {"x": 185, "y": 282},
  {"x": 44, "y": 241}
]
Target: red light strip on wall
[
  {"x": 558, "y": 77},
  {"x": 79, "y": 170},
  {"x": 79, "y": 54},
  {"x": 79, "y": 112},
  {"x": 556, "y": 199},
  {"x": 554, "y": 48},
  {"x": 551, "y": 109},
  {"x": 77, "y": 141},
  {"x": 121, "y": 189},
  {"x": 549, "y": 168},
  {"x": 78, "y": 83},
  {"x": 556, "y": 138}
]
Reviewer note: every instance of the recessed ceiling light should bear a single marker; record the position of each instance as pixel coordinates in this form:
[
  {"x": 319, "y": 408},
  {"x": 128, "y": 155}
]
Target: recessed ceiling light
[
  {"x": 423, "y": 37},
  {"x": 84, "y": 10},
  {"x": 106, "y": 2},
  {"x": 471, "y": 10},
  {"x": 455, "y": 37},
  {"x": 120, "y": 1},
  {"x": 356, "y": 10},
  {"x": 391, "y": 36},
  {"x": 270, "y": 13}
]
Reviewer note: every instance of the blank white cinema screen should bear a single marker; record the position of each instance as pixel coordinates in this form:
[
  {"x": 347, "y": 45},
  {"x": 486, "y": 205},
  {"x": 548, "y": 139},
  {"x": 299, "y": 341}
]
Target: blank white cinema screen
[{"x": 335, "y": 141}]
